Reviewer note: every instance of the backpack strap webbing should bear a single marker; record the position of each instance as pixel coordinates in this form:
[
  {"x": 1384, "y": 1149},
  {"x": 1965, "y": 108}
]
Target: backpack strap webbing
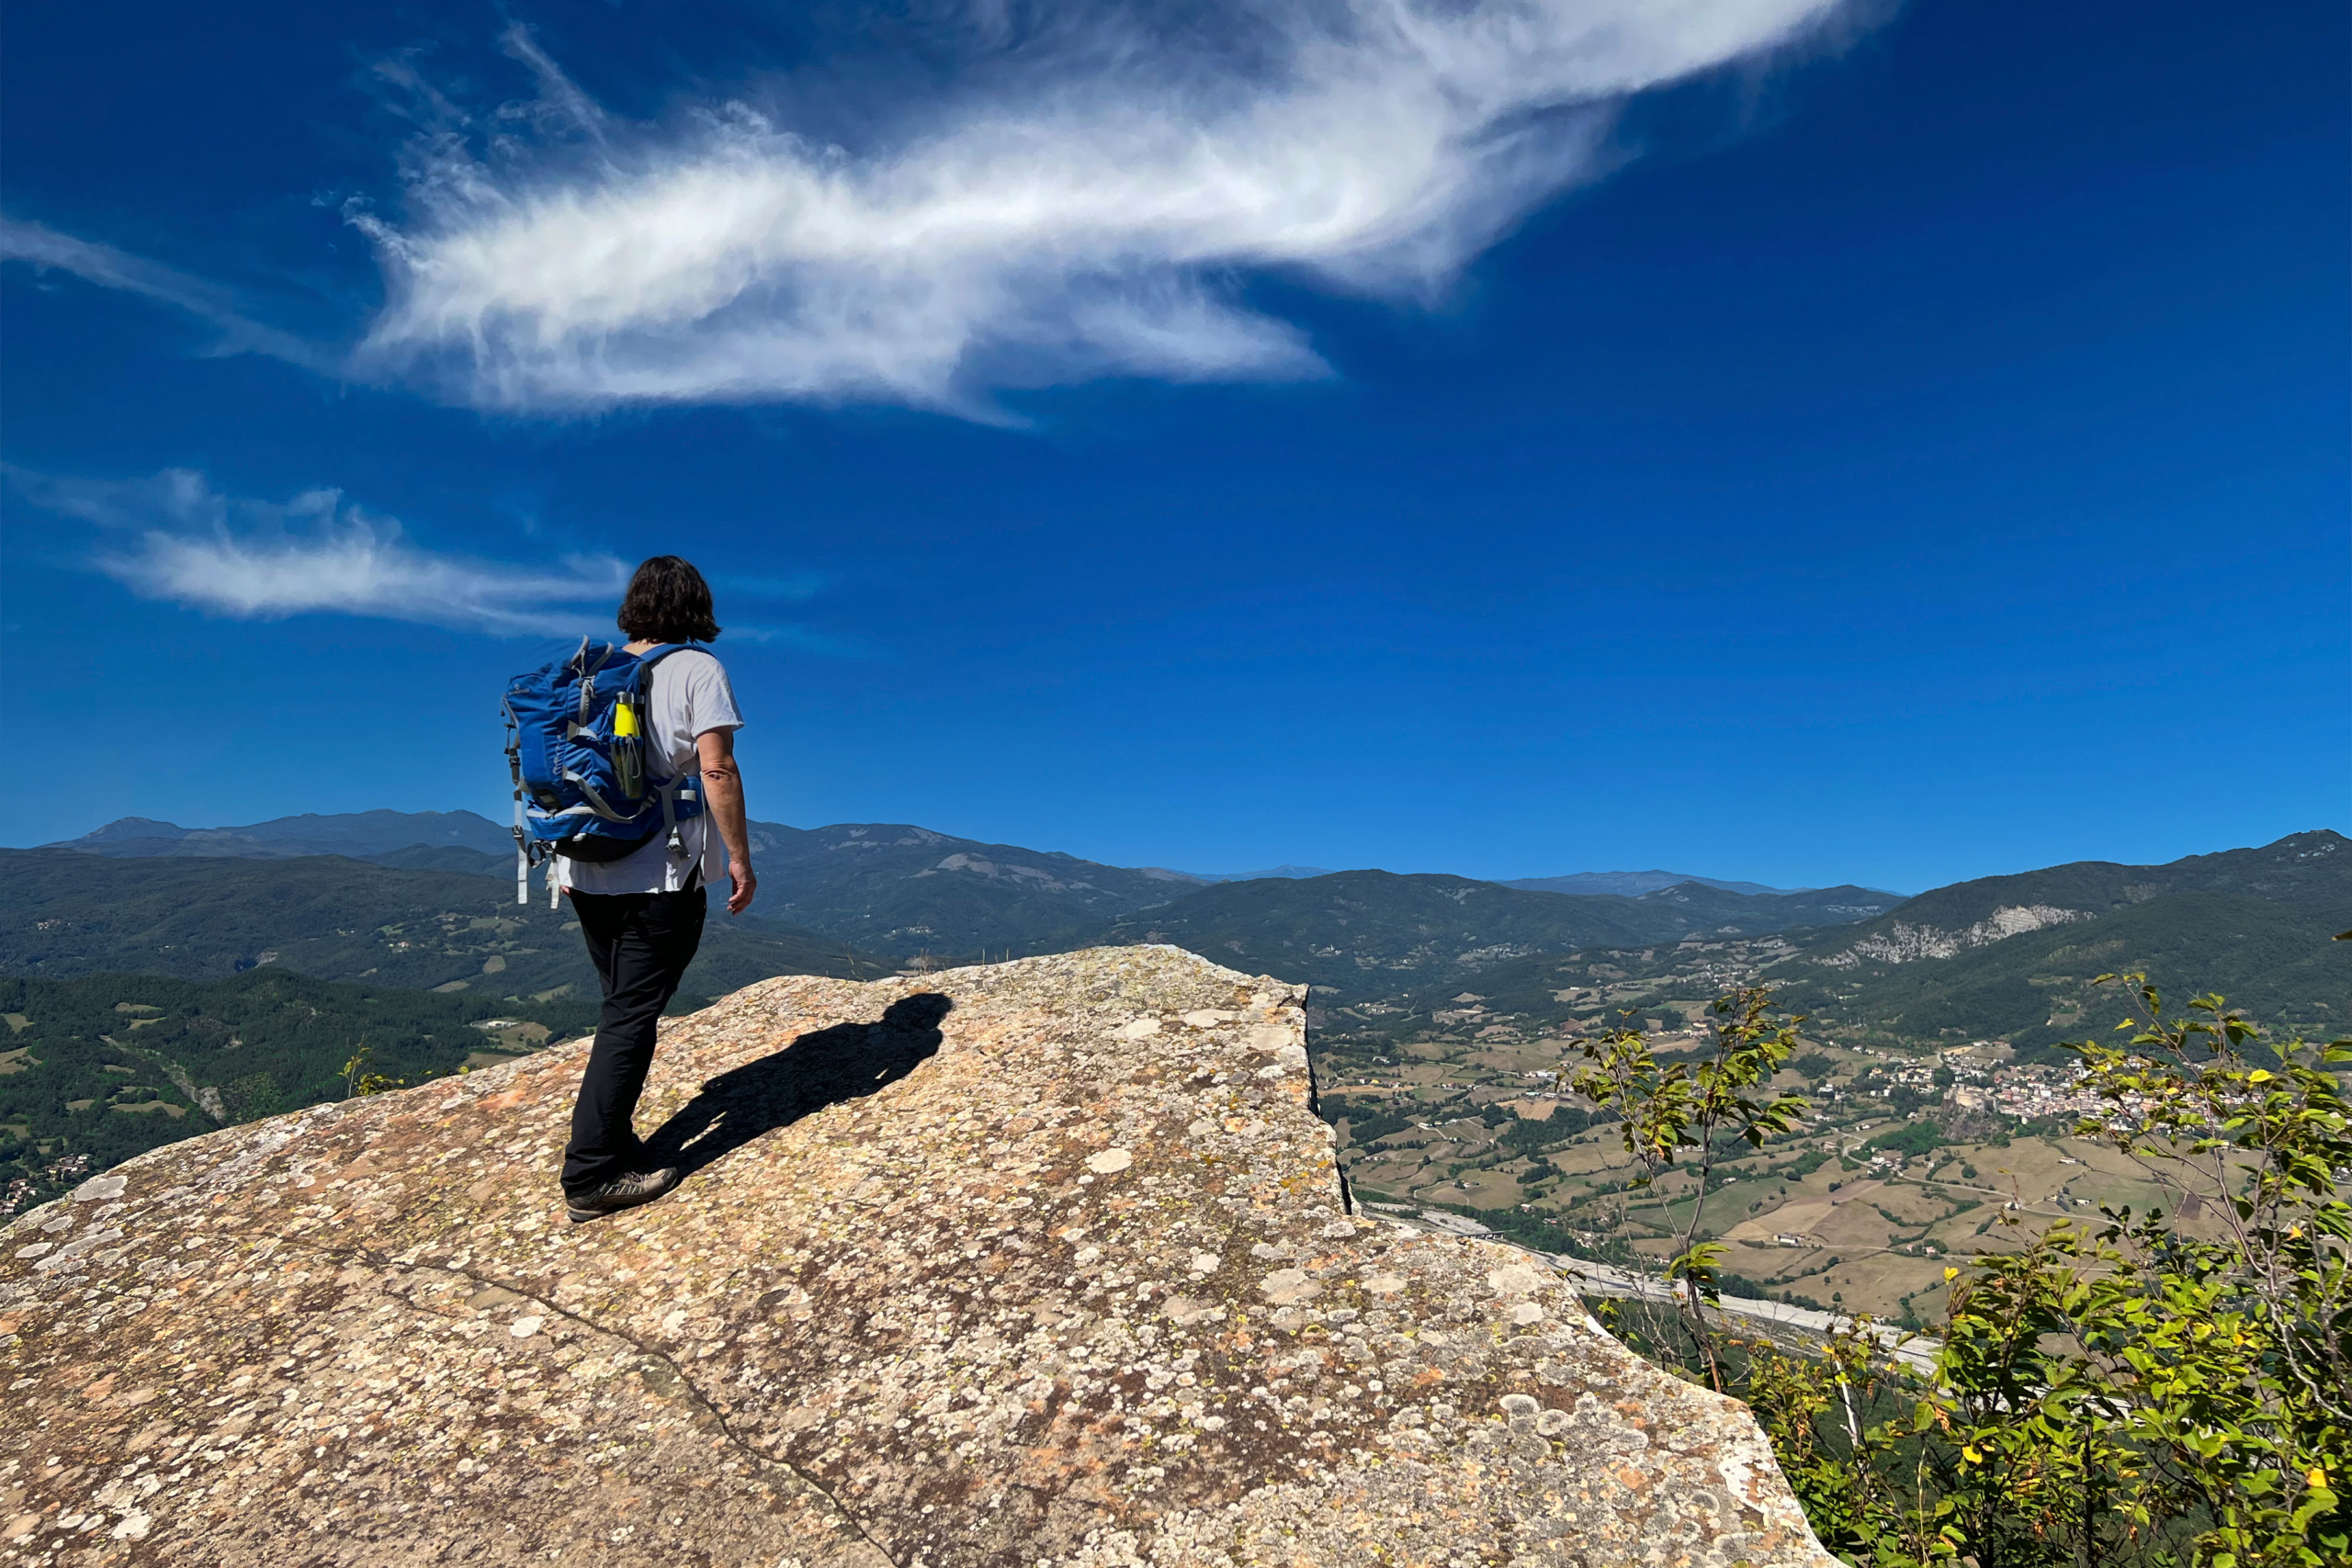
[
  {"x": 668, "y": 788},
  {"x": 522, "y": 839}
]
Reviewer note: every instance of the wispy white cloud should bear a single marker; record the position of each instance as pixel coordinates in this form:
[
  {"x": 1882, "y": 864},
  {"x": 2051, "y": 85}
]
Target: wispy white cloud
[
  {"x": 796, "y": 587},
  {"x": 175, "y": 537},
  {"x": 43, "y": 247},
  {"x": 800, "y": 638},
  {"x": 559, "y": 98},
  {"x": 1077, "y": 204},
  {"x": 1087, "y": 196}
]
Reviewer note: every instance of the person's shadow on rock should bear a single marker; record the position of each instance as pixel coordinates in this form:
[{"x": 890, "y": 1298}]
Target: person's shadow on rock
[{"x": 827, "y": 1066}]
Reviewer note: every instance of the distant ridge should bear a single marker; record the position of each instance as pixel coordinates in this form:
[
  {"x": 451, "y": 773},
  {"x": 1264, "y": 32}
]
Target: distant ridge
[
  {"x": 1634, "y": 884},
  {"x": 1291, "y": 873},
  {"x": 892, "y": 888},
  {"x": 1974, "y": 959},
  {"x": 908, "y": 893},
  {"x": 65, "y": 916},
  {"x": 362, "y": 835},
  {"x": 2013, "y": 957},
  {"x": 1364, "y": 935}
]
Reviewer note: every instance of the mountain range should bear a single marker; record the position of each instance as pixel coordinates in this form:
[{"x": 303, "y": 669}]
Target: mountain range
[
  {"x": 2003, "y": 956},
  {"x": 1296, "y": 873},
  {"x": 1634, "y": 884},
  {"x": 2013, "y": 958},
  {"x": 201, "y": 917},
  {"x": 902, "y": 890},
  {"x": 362, "y": 835},
  {"x": 156, "y": 980},
  {"x": 1360, "y": 935},
  {"x": 384, "y": 835}
]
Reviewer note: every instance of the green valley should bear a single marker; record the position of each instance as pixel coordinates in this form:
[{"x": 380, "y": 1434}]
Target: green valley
[
  {"x": 1443, "y": 1009},
  {"x": 1940, "y": 1098},
  {"x": 97, "y": 1069}
]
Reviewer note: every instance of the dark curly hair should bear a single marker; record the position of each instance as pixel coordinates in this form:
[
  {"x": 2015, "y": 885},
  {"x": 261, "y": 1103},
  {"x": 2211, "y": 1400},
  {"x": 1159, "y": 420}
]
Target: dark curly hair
[{"x": 667, "y": 601}]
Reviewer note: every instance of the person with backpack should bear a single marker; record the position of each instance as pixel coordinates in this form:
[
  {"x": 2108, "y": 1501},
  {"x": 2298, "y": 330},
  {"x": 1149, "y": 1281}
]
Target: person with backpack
[{"x": 624, "y": 764}]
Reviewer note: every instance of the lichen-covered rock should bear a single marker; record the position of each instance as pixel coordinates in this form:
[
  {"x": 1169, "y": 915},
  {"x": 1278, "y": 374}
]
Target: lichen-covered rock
[{"x": 1038, "y": 1263}]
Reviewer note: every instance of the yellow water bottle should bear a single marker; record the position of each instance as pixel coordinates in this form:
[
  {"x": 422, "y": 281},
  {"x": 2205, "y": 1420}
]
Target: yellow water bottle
[{"x": 628, "y": 748}]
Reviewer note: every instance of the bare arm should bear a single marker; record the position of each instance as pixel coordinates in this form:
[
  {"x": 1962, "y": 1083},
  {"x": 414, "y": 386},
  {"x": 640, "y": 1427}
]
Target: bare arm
[{"x": 722, "y": 793}]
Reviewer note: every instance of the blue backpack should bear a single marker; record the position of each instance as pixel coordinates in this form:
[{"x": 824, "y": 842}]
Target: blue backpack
[{"x": 576, "y": 742}]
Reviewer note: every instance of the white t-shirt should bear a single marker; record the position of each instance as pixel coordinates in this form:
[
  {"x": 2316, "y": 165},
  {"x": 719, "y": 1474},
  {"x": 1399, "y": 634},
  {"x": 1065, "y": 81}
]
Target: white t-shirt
[{"x": 689, "y": 697}]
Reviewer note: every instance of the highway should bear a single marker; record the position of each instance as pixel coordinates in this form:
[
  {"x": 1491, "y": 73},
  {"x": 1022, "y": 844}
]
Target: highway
[{"x": 1915, "y": 1351}]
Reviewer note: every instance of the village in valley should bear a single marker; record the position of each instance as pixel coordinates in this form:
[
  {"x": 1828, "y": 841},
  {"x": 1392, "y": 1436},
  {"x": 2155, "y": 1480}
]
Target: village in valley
[{"x": 1908, "y": 1157}]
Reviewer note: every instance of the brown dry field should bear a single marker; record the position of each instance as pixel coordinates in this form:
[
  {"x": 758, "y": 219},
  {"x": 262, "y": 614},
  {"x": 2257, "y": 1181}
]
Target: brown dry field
[
  {"x": 1866, "y": 1223},
  {"x": 1869, "y": 1216}
]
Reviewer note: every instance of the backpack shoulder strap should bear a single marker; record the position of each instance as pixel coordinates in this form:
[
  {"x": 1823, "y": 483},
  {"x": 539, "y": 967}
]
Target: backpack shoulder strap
[
  {"x": 671, "y": 789},
  {"x": 653, "y": 656}
]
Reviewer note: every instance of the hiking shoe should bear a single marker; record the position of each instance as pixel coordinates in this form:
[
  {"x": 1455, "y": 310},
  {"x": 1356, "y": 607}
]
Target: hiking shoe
[{"x": 621, "y": 1193}]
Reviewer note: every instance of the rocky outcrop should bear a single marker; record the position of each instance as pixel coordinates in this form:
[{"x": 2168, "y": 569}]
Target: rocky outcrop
[
  {"x": 1904, "y": 944},
  {"x": 1040, "y": 1263}
]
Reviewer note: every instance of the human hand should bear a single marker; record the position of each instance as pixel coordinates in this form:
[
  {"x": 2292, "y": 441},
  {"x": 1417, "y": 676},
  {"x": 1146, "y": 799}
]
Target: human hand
[{"x": 746, "y": 885}]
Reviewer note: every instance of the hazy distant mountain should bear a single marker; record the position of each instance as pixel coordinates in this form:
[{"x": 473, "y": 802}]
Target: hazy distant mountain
[
  {"x": 362, "y": 835},
  {"x": 447, "y": 857},
  {"x": 1710, "y": 908},
  {"x": 2004, "y": 957},
  {"x": 1375, "y": 933},
  {"x": 1291, "y": 873},
  {"x": 1634, "y": 884},
  {"x": 201, "y": 917},
  {"x": 894, "y": 888},
  {"x": 2007, "y": 958},
  {"x": 900, "y": 890}
]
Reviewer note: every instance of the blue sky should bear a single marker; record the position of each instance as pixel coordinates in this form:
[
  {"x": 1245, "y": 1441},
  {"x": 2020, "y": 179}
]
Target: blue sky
[{"x": 1768, "y": 439}]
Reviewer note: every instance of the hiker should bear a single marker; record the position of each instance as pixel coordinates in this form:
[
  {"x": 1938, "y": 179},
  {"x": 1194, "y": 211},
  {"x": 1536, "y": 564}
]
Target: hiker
[{"x": 642, "y": 913}]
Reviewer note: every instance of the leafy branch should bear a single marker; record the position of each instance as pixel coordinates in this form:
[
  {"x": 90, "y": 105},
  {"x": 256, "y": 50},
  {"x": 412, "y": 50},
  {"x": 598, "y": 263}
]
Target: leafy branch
[{"x": 1701, "y": 1108}]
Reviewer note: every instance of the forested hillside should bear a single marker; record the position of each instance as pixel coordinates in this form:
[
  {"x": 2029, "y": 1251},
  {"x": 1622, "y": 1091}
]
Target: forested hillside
[
  {"x": 1368, "y": 935},
  {"x": 2306, "y": 871},
  {"x": 880, "y": 888},
  {"x": 363, "y": 835},
  {"x": 2034, "y": 990},
  {"x": 97, "y": 1069},
  {"x": 65, "y": 914},
  {"x": 2011, "y": 958},
  {"x": 906, "y": 892},
  {"x": 903, "y": 890}
]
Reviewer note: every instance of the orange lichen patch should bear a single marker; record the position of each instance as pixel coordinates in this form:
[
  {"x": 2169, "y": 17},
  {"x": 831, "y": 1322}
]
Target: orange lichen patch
[{"x": 1037, "y": 1260}]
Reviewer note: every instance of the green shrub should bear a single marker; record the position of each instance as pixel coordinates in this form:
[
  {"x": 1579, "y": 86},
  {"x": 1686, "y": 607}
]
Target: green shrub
[
  {"x": 2123, "y": 1393},
  {"x": 1912, "y": 1138}
]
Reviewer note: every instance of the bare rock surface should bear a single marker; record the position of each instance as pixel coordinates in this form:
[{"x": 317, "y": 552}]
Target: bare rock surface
[{"x": 1036, "y": 1263}]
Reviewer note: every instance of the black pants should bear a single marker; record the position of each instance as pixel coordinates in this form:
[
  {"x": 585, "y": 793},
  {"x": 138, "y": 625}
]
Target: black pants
[{"x": 641, "y": 943}]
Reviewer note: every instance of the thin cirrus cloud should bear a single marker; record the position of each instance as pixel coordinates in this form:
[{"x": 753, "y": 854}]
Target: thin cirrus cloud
[
  {"x": 1078, "y": 208},
  {"x": 46, "y": 248},
  {"x": 175, "y": 537},
  {"x": 1085, "y": 196}
]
